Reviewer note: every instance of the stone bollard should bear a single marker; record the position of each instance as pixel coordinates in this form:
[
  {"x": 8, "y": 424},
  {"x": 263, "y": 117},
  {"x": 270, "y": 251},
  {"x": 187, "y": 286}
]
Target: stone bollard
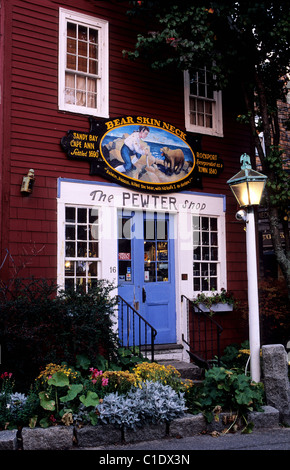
[{"x": 276, "y": 380}]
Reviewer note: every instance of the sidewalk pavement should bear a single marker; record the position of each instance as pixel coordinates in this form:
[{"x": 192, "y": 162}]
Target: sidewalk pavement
[{"x": 169, "y": 449}]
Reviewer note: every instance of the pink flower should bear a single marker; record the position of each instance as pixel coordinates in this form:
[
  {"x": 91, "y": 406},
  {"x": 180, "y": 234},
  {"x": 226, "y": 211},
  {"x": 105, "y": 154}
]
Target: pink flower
[
  {"x": 105, "y": 382},
  {"x": 6, "y": 375}
]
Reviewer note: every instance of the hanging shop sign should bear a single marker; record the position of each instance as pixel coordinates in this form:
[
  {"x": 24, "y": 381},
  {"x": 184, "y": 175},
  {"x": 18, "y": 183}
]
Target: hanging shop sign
[{"x": 141, "y": 153}]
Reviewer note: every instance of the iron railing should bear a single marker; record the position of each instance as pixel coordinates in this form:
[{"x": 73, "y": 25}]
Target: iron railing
[
  {"x": 204, "y": 336},
  {"x": 134, "y": 331}
]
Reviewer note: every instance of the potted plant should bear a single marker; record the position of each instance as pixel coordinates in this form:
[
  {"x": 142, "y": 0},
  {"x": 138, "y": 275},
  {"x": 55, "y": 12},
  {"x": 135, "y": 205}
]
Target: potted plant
[{"x": 216, "y": 302}]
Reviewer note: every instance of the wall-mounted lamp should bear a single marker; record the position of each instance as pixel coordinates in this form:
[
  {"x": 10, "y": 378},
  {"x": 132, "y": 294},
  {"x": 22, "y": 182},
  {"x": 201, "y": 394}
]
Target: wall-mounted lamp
[{"x": 28, "y": 182}]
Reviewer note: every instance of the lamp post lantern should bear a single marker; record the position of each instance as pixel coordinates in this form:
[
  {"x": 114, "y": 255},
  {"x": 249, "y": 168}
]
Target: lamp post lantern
[{"x": 247, "y": 187}]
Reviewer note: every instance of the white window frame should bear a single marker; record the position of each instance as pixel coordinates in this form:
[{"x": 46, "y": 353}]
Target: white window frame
[
  {"x": 103, "y": 74},
  {"x": 200, "y": 232},
  {"x": 217, "y": 124},
  {"x": 83, "y": 260}
]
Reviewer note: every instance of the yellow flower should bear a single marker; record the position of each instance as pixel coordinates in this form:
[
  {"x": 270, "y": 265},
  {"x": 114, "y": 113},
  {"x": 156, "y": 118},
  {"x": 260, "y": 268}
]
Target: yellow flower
[{"x": 51, "y": 369}]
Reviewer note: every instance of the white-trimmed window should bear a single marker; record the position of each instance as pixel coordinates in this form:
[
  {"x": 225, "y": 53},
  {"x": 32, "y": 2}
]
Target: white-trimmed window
[
  {"x": 83, "y": 64},
  {"x": 203, "y": 105},
  {"x": 81, "y": 261},
  {"x": 206, "y": 264}
]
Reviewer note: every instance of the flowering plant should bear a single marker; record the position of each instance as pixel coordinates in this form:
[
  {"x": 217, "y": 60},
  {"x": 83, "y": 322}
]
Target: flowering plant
[
  {"x": 51, "y": 369},
  {"x": 7, "y": 383},
  {"x": 167, "y": 375},
  {"x": 95, "y": 374},
  {"x": 224, "y": 297}
]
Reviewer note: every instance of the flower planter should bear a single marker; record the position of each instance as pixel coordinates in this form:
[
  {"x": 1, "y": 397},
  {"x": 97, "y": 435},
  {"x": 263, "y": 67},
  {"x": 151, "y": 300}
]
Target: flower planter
[{"x": 220, "y": 307}]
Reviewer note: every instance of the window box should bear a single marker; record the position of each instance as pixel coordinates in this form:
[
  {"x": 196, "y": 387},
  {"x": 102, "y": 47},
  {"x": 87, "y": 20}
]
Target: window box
[
  {"x": 220, "y": 307},
  {"x": 215, "y": 302}
]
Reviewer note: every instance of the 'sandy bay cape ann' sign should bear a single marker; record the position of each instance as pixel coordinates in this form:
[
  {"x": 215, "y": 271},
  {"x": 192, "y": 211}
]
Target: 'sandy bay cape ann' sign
[{"x": 142, "y": 153}]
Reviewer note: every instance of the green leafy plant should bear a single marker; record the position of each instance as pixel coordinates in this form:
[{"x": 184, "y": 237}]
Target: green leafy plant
[
  {"x": 127, "y": 358},
  {"x": 224, "y": 297},
  {"x": 228, "y": 391}
]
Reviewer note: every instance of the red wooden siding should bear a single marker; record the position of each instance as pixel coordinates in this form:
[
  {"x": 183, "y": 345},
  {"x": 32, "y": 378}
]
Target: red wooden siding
[{"x": 34, "y": 126}]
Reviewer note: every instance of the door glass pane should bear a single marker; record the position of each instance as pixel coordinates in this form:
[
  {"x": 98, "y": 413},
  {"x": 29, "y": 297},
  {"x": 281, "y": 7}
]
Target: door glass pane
[
  {"x": 149, "y": 272},
  {"x": 149, "y": 251},
  {"x": 162, "y": 272},
  {"x": 156, "y": 248},
  {"x": 125, "y": 248},
  {"x": 162, "y": 251}
]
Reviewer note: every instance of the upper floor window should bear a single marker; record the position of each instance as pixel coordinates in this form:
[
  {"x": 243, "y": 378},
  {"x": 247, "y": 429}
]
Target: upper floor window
[
  {"x": 83, "y": 64},
  {"x": 203, "y": 105}
]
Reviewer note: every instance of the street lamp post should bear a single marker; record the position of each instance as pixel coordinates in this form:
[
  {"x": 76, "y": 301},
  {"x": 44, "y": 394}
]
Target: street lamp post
[{"x": 247, "y": 187}]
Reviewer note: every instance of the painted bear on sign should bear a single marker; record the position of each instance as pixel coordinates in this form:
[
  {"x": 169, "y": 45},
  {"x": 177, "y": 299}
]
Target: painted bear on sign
[{"x": 173, "y": 160}]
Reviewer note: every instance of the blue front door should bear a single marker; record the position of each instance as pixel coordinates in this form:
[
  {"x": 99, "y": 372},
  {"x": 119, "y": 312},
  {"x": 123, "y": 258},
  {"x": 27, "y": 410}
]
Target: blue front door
[{"x": 146, "y": 269}]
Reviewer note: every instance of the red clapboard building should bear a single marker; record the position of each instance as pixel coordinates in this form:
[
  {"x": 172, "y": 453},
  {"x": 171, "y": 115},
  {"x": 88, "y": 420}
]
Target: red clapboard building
[{"x": 129, "y": 166}]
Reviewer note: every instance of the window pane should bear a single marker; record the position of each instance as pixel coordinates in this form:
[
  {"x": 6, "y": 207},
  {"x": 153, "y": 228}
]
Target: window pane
[
  {"x": 70, "y": 214},
  {"x": 93, "y": 67},
  {"x": 196, "y": 284},
  {"x": 82, "y": 233},
  {"x": 69, "y": 88},
  {"x": 94, "y": 250},
  {"x": 82, "y": 250},
  {"x": 82, "y": 64},
  {"x": 93, "y": 269},
  {"x": 70, "y": 233},
  {"x": 69, "y": 268},
  {"x": 70, "y": 249},
  {"x": 82, "y": 216},
  {"x": 83, "y": 33},
  {"x": 72, "y": 30},
  {"x": 208, "y": 121},
  {"x": 196, "y": 269},
  {"x": 94, "y": 232},
  {"x": 93, "y": 36}
]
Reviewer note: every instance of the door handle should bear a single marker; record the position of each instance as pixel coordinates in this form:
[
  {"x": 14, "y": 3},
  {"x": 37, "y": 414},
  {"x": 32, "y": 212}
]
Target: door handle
[{"x": 143, "y": 295}]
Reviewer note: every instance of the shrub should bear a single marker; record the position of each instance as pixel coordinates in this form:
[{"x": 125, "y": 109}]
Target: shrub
[{"x": 40, "y": 326}]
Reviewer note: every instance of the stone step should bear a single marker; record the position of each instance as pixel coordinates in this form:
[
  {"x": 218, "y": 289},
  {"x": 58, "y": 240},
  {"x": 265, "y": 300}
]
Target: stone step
[{"x": 166, "y": 352}]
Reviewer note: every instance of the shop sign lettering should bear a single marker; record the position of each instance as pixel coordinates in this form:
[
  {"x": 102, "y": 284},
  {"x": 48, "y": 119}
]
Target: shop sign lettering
[{"x": 141, "y": 153}]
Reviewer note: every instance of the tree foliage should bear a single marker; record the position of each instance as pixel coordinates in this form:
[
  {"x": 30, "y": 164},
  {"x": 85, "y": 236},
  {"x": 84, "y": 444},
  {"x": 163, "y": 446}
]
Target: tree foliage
[{"x": 246, "y": 46}]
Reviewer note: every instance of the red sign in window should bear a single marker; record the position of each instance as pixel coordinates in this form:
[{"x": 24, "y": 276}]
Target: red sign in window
[{"x": 125, "y": 256}]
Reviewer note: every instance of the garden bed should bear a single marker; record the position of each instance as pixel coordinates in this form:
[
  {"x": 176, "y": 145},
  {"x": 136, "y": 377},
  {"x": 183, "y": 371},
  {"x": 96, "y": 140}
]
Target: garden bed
[
  {"x": 69, "y": 437},
  {"x": 87, "y": 407}
]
